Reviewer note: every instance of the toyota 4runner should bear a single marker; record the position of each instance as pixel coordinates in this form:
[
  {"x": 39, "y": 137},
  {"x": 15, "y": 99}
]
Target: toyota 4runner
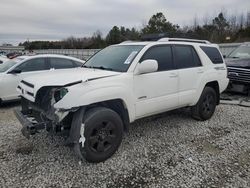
[{"x": 120, "y": 84}]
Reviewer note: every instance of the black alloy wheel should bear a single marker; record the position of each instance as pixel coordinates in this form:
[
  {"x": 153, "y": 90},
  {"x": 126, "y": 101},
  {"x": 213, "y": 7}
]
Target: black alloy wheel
[
  {"x": 206, "y": 105},
  {"x": 103, "y": 131}
]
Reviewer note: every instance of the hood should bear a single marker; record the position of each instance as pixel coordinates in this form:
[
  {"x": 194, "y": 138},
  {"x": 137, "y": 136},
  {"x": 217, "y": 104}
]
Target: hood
[
  {"x": 67, "y": 77},
  {"x": 238, "y": 62}
]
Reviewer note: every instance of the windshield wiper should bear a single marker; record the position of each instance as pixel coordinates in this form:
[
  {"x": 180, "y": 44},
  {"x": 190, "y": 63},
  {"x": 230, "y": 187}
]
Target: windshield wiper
[
  {"x": 96, "y": 67},
  {"x": 102, "y": 68},
  {"x": 85, "y": 66}
]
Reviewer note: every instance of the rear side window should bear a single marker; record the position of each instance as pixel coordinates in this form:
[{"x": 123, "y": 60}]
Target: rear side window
[
  {"x": 162, "y": 54},
  {"x": 78, "y": 64},
  {"x": 213, "y": 54},
  {"x": 60, "y": 63},
  {"x": 186, "y": 57}
]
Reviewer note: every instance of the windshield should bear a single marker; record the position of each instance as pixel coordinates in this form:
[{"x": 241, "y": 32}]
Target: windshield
[
  {"x": 114, "y": 58},
  {"x": 7, "y": 65},
  {"x": 241, "y": 52}
]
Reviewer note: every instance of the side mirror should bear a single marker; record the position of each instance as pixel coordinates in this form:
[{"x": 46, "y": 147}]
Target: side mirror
[
  {"x": 147, "y": 66},
  {"x": 15, "y": 71},
  {"x": 224, "y": 56}
]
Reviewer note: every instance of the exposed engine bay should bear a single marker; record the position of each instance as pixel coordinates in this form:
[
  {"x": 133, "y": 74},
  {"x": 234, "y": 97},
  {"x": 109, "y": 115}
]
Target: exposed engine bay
[{"x": 42, "y": 112}]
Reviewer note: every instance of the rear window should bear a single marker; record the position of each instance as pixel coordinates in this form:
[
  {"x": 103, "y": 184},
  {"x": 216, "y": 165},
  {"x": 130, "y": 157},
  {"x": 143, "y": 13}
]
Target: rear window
[
  {"x": 61, "y": 63},
  {"x": 213, "y": 54}
]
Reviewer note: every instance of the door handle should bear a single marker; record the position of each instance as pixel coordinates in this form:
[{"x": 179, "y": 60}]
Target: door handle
[{"x": 173, "y": 75}]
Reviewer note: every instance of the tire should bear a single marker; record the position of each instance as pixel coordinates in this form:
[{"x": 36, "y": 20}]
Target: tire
[
  {"x": 103, "y": 131},
  {"x": 206, "y": 105}
]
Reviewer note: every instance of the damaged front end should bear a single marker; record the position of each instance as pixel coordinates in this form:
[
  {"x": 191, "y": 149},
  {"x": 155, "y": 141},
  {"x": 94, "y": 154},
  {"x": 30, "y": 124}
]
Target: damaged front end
[{"x": 41, "y": 114}]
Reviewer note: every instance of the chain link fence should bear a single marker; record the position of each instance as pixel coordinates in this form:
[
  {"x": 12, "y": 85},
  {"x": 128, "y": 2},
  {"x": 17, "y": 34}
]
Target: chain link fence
[
  {"x": 78, "y": 53},
  {"x": 87, "y": 53},
  {"x": 84, "y": 54}
]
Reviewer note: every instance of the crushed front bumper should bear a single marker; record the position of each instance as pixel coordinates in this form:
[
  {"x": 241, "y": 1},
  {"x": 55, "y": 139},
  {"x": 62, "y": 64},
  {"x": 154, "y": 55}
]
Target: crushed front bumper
[{"x": 30, "y": 125}]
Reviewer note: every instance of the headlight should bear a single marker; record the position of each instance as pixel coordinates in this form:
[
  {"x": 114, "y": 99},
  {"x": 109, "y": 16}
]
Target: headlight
[{"x": 60, "y": 93}]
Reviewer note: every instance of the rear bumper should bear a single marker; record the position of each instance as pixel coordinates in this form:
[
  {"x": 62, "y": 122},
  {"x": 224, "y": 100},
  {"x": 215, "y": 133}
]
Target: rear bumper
[{"x": 29, "y": 127}]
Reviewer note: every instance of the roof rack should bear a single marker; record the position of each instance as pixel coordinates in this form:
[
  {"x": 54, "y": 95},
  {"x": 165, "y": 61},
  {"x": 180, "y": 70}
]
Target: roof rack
[{"x": 183, "y": 40}]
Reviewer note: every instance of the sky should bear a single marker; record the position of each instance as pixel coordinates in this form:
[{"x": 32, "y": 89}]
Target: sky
[{"x": 22, "y": 20}]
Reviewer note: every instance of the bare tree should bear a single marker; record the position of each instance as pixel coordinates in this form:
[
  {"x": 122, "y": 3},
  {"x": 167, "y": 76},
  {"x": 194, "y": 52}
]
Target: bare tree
[
  {"x": 233, "y": 23},
  {"x": 242, "y": 20},
  {"x": 206, "y": 19},
  {"x": 248, "y": 19},
  {"x": 195, "y": 22}
]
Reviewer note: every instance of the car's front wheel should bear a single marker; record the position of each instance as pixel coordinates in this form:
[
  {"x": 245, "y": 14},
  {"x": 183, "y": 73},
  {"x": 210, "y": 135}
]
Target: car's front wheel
[
  {"x": 206, "y": 105},
  {"x": 101, "y": 134}
]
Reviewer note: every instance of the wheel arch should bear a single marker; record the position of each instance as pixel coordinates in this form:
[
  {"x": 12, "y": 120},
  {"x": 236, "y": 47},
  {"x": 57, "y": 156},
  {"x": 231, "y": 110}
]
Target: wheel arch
[
  {"x": 215, "y": 86},
  {"x": 119, "y": 106}
]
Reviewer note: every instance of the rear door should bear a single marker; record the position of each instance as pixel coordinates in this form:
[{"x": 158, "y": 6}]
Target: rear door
[{"x": 190, "y": 71}]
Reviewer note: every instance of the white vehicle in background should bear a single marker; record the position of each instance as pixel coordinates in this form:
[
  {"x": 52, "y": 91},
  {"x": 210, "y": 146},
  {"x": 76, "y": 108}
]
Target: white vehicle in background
[
  {"x": 120, "y": 84},
  {"x": 3, "y": 59},
  {"x": 13, "y": 71}
]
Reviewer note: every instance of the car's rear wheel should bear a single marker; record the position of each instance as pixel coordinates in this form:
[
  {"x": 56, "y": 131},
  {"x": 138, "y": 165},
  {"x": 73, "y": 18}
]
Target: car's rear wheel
[
  {"x": 206, "y": 105},
  {"x": 102, "y": 130}
]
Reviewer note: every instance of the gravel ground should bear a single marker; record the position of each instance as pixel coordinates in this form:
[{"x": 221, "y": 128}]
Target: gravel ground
[{"x": 167, "y": 150}]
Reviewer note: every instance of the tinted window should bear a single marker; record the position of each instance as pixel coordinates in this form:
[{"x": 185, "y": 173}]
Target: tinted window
[
  {"x": 162, "y": 54},
  {"x": 60, "y": 63},
  {"x": 186, "y": 57},
  {"x": 37, "y": 64},
  {"x": 197, "y": 60},
  {"x": 213, "y": 54}
]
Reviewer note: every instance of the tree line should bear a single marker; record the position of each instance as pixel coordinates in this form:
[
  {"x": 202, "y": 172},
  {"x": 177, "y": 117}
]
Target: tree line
[{"x": 218, "y": 30}]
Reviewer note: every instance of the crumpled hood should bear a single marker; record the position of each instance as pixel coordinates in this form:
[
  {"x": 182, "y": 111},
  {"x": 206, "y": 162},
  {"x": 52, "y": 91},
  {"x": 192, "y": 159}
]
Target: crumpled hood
[
  {"x": 67, "y": 77},
  {"x": 239, "y": 63}
]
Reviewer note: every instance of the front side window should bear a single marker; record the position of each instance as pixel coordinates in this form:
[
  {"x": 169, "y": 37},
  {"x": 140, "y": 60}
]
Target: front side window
[
  {"x": 115, "y": 58},
  {"x": 186, "y": 57},
  {"x": 37, "y": 64},
  {"x": 162, "y": 54},
  {"x": 60, "y": 63}
]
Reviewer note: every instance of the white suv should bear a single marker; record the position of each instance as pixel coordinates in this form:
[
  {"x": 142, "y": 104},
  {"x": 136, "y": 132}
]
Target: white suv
[{"x": 120, "y": 84}]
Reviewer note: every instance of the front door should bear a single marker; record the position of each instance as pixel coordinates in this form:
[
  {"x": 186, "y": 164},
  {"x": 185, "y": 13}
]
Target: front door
[{"x": 158, "y": 91}]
